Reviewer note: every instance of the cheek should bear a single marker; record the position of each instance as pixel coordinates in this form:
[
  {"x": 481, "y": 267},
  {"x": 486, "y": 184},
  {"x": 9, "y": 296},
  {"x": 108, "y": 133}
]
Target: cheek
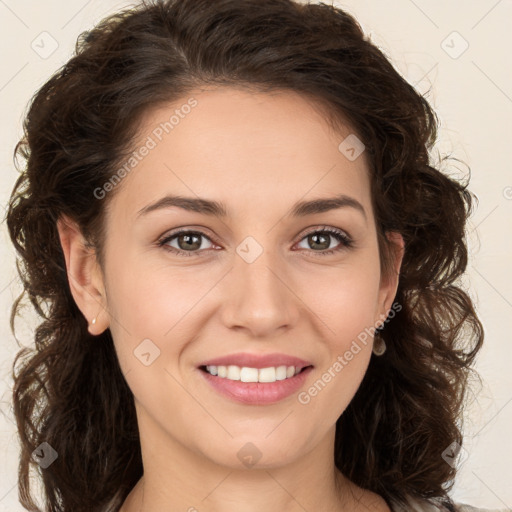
[
  {"x": 149, "y": 328},
  {"x": 346, "y": 315},
  {"x": 159, "y": 304},
  {"x": 346, "y": 298},
  {"x": 151, "y": 300}
]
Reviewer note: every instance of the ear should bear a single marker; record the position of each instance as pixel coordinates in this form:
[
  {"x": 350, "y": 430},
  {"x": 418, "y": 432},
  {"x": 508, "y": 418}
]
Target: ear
[
  {"x": 389, "y": 283},
  {"x": 84, "y": 275}
]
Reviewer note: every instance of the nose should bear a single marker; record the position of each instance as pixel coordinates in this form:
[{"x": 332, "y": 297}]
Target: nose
[{"x": 258, "y": 298}]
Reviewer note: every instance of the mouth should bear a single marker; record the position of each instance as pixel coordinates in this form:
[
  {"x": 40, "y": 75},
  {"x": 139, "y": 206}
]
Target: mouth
[
  {"x": 250, "y": 374},
  {"x": 255, "y": 386}
]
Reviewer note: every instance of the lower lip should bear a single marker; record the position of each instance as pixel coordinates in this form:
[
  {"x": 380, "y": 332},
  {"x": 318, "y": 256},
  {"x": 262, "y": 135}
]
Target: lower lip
[{"x": 257, "y": 393}]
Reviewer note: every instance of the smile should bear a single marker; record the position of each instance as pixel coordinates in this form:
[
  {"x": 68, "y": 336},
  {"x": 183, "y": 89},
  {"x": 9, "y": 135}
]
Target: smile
[
  {"x": 270, "y": 386},
  {"x": 247, "y": 374}
]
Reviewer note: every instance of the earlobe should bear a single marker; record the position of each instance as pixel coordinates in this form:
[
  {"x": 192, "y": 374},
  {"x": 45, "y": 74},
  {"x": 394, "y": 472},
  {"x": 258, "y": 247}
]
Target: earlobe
[{"x": 84, "y": 276}]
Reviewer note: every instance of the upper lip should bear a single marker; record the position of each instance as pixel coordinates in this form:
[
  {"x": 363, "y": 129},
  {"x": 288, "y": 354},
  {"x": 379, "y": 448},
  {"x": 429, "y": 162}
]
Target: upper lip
[{"x": 257, "y": 360}]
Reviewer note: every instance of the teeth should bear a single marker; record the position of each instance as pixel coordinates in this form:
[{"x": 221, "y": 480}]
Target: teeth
[
  {"x": 267, "y": 375},
  {"x": 233, "y": 373},
  {"x": 246, "y": 374}
]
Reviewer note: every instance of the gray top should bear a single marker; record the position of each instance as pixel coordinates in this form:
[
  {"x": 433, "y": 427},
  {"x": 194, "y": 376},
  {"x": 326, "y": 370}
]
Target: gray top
[
  {"x": 425, "y": 506},
  {"x": 462, "y": 507}
]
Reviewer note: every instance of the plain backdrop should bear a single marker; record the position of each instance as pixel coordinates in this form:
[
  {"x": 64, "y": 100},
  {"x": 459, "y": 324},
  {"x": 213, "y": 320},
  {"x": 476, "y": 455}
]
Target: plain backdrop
[{"x": 455, "y": 53}]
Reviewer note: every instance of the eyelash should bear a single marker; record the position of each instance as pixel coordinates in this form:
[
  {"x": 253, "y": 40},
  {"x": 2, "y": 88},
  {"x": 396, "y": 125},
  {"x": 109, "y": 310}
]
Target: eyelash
[{"x": 346, "y": 241}]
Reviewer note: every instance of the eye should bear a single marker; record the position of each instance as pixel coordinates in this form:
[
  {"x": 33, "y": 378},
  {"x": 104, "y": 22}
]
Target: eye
[
  {"x": 322, "y": 240},
  {"x": 189, "y": 242}
]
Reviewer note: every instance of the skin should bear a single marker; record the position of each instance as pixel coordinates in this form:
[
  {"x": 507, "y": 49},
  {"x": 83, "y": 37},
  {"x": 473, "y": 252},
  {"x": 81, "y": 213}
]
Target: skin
[{"x": 258, "y": 154}]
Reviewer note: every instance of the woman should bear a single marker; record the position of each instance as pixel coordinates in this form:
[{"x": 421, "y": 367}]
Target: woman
[{"x": 245, "y": 264}]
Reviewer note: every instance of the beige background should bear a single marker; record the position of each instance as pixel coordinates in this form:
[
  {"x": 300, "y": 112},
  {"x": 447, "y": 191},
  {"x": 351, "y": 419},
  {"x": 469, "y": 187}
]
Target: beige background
[{"x": 467, "y": 78}]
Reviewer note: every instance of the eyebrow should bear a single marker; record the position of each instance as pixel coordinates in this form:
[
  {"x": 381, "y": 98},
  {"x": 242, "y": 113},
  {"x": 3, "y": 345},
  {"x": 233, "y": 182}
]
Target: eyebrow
[{"x": 217, "y": 209}]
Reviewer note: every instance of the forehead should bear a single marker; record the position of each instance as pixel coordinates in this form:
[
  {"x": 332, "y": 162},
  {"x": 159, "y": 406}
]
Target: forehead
[{"x": 234, "y": 144}]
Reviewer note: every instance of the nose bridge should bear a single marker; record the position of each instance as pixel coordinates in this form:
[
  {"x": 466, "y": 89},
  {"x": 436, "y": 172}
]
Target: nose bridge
[{"x": 258, "y": 298}]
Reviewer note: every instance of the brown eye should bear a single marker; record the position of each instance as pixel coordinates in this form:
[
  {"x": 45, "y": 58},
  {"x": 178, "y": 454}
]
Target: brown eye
[
  {"x": 319, "y": 241},
  {"x": 188, "y": 242}
]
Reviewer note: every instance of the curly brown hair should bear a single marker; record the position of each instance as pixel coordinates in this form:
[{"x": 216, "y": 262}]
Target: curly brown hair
[{"x": 80, "y": 126}]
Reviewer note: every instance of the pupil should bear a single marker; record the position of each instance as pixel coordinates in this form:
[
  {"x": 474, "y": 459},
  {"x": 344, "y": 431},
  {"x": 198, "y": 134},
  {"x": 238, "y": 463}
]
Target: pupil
[
  {"x": 315, "y": 236},
  {"x": 187, "y": 241}
]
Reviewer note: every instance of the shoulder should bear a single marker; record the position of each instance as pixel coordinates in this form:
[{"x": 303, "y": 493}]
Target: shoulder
[
  {"x": 418, "y": 505},
  {"x": 463, "y": 507}
]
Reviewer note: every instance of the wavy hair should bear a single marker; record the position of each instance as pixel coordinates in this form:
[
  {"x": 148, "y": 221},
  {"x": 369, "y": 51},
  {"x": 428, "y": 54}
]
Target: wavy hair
[{"x": 81, "y": 124}]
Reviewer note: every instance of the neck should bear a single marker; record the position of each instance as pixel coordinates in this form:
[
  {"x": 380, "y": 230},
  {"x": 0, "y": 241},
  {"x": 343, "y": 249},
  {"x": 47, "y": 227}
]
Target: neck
[{"x": 178, "y": 478}]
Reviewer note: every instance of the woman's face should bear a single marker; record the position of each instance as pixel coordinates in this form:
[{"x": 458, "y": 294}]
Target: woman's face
[{"x": 261, "y": 279}]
